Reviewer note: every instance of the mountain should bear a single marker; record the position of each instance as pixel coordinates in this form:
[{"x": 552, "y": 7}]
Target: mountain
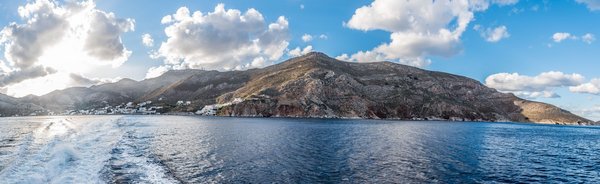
[
  {"x": 10, "y": 106},
  {"x": 315, "y": 85}
]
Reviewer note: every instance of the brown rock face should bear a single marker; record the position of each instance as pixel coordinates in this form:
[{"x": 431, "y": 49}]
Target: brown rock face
[{"x": 316, "y": 85}]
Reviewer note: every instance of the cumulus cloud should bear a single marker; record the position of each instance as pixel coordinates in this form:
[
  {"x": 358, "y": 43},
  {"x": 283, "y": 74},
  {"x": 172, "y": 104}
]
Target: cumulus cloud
[
  {"x": 157, "y": 71},
  {"x": 589, "y": 112},
  {"x": 533, "y": 86},
  {"x": 104, "y": 36},
  {"x": 343, "y": 57},
  {"x": 559, "y": 37},
  {"x": 299, "y": 52},
  {"x": 536, "y": 94},
  {"x": 307, "y": 38},
  {"x": 55, "y": 81},
  {"x": 61, "y": 38},
  {"x": 224, "y": 39},
  {"x": 81, "y": 80},
  {"x": 592, "y": 87},
  {"x": 588, "y": 38},
  {"x": 369, "y": 56},
  {"x": 493, "y": 35},
  {"x": 17, "y": 76},
  {"x": 166, "y": 19},
  {"x": 25, "y": 43},
  {"x": 593, "y": 5},
  {"x": 147, "y": 40},
  {"x": 505, "y": 2},
  {"x": 418, "y": 28}
]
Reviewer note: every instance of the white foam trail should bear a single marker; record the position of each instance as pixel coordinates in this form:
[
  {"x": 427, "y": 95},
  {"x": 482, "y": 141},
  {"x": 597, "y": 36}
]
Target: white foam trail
[
  {"x": 134, "y": 153},
  {"x": 65, "y": 151}
]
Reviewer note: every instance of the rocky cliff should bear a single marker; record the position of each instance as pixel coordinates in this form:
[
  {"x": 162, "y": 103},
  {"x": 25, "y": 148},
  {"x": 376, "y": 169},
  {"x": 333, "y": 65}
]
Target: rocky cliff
[{"x": 315, "y": 85}]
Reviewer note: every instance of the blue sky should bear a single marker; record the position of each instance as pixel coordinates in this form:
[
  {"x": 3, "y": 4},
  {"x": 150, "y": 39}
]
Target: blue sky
[{"x": 525, "y": 49}]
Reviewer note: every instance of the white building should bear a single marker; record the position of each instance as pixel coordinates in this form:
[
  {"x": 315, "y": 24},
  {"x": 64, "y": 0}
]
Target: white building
[{"x": 209, "y": 110}]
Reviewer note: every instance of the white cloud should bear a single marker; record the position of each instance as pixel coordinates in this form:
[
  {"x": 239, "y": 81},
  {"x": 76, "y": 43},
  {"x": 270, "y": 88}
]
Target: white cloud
[
  {"x": 559, "y": 37},
  {"x": 593, "y": 5},
  {"x": 343, "y": 57},
  {"x": 166, "y": 19},
  {"x": 25, "y": 43},
  {"x": 79, "y": 26},
  {"x": 302, "y": 6},
  {"x": 533, "y": 86},
  {"x": 81, "y": 80},
  {"x": 368, "y": 56},
  {"x": 224, "y": 39},
  {"x": 419, "y": 29},
  {"x": 307, "y": 38},
  {"x": 493, "y": 35},
  {"x": 51, "y": 82},
  {"x": 74, "y": 37},
  {"x": 590, "y": 112},
  {"x": 298, "y": 52},
  {"x": 104, "y": 37},
  {"x": 147, "y": 40},
  {"x": 414, "y": 16},
  {"x": 536, "y": 94},
  {"x": 588, "y": 38},
  {"x": 157, "y": 71},
  {"x": 592, "y": 87},
  {"x": 505, "y": 2},
  {"x": 20, "y": 75}
]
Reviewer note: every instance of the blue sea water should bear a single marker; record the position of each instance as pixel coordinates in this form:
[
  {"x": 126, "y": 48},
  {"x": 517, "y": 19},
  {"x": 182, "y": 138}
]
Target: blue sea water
[{"x": 189, "y": 149}]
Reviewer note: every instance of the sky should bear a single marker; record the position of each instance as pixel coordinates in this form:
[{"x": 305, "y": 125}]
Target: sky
[{"x": 537, "y": 49}]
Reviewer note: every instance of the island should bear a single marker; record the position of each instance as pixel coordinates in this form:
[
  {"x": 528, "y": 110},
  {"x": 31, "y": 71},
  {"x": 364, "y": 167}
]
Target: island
[{"x": 313, "y": 85}]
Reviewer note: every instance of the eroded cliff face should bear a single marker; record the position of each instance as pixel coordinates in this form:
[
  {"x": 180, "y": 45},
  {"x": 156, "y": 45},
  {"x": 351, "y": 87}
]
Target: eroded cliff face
[{"x": 319, "y": 86}]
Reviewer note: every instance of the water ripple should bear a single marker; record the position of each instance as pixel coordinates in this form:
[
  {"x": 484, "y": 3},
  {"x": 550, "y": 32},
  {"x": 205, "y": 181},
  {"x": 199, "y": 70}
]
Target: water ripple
[{"x": 181, "y": 149}]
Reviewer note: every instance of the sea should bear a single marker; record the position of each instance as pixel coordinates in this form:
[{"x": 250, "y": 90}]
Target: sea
[{"x": 197, "y": 149}]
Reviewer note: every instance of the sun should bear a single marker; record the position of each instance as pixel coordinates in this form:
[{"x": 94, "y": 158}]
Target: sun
[
  {"x": 40, "y": 86},
  {"x": 90, "y": 41}
]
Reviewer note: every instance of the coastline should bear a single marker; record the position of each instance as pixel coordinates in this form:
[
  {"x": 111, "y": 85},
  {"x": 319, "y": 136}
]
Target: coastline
[{"x": 191, "y": 114}]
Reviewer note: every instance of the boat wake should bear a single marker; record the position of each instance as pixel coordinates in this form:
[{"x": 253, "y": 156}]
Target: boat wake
[
  {"x": 80, "y": 150},
  {"x": 132, "y": 160}
]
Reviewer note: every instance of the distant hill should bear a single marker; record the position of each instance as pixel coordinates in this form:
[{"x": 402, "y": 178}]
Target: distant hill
[
  {"x": 10, "y": 106},
  {"x": 315, "y": 85}
]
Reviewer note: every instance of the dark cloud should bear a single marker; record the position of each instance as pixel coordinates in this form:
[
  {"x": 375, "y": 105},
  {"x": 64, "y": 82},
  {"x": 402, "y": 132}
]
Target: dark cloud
[
  {"x": 104, "y": 40},
  {"x": 21, "y": 75},
  {"x": 26, "y": 42}
]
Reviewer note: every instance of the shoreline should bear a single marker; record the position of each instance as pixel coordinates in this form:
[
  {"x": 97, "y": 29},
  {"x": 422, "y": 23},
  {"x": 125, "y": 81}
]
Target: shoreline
[{"x": 190, "y": 114}]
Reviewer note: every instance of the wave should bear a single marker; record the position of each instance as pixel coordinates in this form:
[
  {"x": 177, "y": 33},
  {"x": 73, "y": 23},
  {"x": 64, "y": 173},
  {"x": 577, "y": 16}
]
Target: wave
[
  {"x": 133, "y": 161},
  {"x": 64, "y": 150}
]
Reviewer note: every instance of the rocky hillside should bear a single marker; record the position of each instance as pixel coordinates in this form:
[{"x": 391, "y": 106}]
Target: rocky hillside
[{"x": 316, "y": 85}]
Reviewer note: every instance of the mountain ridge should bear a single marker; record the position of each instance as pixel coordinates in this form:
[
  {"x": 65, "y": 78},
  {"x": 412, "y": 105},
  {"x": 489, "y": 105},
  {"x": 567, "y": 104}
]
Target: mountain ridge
[{"x": 316, "y": 85}]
